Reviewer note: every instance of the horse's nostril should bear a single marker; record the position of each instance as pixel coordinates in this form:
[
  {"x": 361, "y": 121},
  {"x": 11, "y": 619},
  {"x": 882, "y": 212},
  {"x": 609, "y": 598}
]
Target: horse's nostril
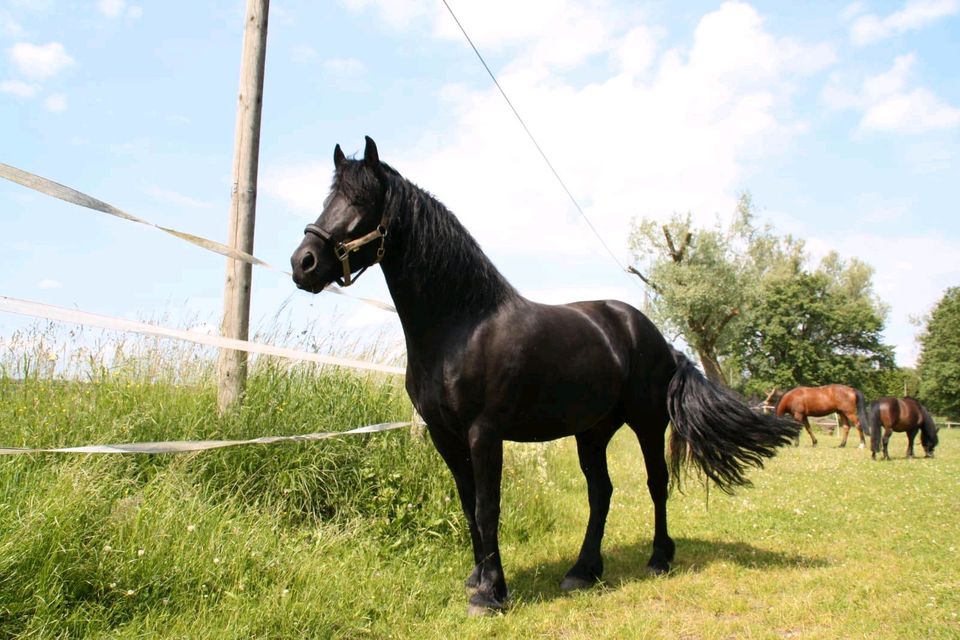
[{"x": 308, "y": 261}]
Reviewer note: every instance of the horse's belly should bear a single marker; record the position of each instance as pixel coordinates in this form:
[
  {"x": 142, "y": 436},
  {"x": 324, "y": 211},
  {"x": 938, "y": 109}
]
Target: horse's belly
[{"x": 555, "y": 406}]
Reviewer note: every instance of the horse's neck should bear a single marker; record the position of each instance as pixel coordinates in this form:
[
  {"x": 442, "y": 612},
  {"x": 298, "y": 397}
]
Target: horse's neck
[{"x": 440, "y": 284}]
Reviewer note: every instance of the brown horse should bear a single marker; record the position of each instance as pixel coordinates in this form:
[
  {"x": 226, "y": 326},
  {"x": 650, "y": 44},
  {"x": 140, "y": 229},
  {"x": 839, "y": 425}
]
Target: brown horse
[
  {"x": 846, "y": 402},
  {"x": 901, "y": 414}
]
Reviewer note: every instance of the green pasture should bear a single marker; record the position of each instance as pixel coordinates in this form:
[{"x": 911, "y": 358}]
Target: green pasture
[{"x": 362, "y": 537}]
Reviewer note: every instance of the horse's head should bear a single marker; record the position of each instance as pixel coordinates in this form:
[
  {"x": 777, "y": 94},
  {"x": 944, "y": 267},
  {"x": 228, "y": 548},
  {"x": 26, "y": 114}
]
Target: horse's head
[
  {"x": 350, "y": 233},
  {"x": 929, "y": 433}
]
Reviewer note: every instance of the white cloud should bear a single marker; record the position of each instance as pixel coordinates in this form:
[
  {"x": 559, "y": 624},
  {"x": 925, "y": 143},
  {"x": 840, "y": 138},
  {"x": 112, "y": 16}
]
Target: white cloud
[
  {"x": 396, "y": 13},
  {"x": 344, "y": 66},
  {"x": 40, "y": 62},
  {"x": 178, "y": 198},
  {"x": 56, "y": 103},
  {"x": 118, "y": 8},
  {"x": 915, "y": 14},
  {"x": 49, "y": 284},
  {"x": 302, "y": 187},
  {"x": 638, "y": 51},
  {"x": 911, "y": 273},
  {"x": 304, "y": 53},
  {"x": 9, "y": 27},
  {"x": 852, "y": 10},
  {"x": 913, "y": 112},
  {"x": 111, "y": 8},
  {"x": 664, "y": 131},
  {"x": 17, "y": 88},
  {"x": 888, "y": 105}
]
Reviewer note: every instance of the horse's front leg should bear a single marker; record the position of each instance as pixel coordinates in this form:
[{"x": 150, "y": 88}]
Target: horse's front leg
[
  {"x": 456, "y": 454},
  {"x": 911, "y": 435},
  {"x": 486, "y": 454}
]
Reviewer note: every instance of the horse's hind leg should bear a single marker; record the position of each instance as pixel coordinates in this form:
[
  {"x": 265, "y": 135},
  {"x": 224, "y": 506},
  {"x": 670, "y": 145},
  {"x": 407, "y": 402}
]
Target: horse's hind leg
[
  {"x": 887, "y": 432},
  {"x": 651, "y": 443},
  {"x": 592, "y": 450},
  {"x": 911, "y": 435},
  {"x": 806, "y": 425},
  {"x": 845, "y": 425}
]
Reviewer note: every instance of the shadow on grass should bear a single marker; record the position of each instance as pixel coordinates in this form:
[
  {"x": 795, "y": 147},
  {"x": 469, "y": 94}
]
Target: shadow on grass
[{"x": 628, "y": 563}]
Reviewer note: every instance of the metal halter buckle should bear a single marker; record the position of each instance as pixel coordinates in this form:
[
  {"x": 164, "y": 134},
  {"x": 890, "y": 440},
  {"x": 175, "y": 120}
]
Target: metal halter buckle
[{"x": 344, "y": 248}]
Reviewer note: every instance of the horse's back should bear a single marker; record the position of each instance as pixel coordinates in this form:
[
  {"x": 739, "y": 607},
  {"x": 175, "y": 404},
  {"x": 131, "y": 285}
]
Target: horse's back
[
  {"x": 818, "y": 401},
  {"x": 898, "y": 414},
  {"x": 555, "y": 370}
]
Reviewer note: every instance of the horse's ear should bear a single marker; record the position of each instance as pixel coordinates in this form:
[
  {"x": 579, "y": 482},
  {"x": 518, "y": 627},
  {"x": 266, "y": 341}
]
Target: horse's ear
[
  {"x": 370, "y": 156},
  {"x": 338, "y": 157}
]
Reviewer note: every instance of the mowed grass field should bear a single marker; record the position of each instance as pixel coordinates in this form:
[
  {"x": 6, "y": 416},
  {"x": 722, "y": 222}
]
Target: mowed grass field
[{"x": 362, "y": 537}]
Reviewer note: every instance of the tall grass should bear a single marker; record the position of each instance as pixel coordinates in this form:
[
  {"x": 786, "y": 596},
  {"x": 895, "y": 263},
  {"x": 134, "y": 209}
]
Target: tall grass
[{"x": 109, "y": 544}]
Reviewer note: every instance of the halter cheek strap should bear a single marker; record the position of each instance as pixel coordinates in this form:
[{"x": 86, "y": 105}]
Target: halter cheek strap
[{"x": 344, "y": 248}]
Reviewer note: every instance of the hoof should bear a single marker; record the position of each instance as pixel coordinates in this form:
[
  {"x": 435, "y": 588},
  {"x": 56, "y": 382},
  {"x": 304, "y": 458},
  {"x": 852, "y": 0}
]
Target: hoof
[
  {"x": 843, "y": 445},
  {"x": 576, "y": 583},
  {"x": 861, "y": 446},
  {"x": 658, "y": 568},
  {"x": 484, "y": 606},
  {"x": 472, "y": 583}
]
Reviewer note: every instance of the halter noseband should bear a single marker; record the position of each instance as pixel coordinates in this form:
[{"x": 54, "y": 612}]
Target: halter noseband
[{"x": 344, "y": 248}]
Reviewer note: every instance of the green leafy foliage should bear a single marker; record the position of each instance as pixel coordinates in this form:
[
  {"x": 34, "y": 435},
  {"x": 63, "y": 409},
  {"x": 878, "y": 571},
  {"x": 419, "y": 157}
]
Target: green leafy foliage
[
  {"x": 742, "y": 298},
  {"x": 939, "y": 365},
  {"x": 806, "y": 332},
  {"x": 705, "y": 281}
]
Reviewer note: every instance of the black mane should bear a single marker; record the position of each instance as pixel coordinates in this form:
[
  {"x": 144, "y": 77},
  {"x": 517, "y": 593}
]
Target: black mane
[{"x": 431, "y": 247}]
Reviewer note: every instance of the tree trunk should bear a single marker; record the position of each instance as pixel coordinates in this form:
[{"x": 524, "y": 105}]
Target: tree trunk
[{"x": 711, "y": 367}]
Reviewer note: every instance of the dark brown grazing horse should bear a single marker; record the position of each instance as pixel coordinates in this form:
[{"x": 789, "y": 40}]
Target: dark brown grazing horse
[
  {"x": 846, "y": 402},
  {"x": 889, "y": 414},
  {"x": 485, "y": 364}
]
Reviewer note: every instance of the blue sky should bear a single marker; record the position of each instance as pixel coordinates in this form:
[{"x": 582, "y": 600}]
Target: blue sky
[{"x": 841, "y": 120}]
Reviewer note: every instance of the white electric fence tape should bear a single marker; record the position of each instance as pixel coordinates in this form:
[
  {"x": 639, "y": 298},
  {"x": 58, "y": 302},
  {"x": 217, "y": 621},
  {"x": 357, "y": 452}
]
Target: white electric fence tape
[
  {"x": 67, "y": 194},
  {"x": 36, "y": 309},
  {"x": 50, "y": 312},
  {"x": 183, "y": 446}
]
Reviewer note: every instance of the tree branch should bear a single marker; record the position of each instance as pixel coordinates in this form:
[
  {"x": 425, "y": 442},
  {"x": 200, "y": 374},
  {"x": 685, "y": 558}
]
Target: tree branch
[
  {"x": 677, "y": 254},
  {"x": 641, "y": 276},
  {"x": 673, "y": 250},
  {"x": 726, "y": 320}
]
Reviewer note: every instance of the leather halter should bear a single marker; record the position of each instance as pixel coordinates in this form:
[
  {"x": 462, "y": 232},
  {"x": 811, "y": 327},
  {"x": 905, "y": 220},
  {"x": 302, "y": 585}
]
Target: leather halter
[{"x": 344, "y": 248}]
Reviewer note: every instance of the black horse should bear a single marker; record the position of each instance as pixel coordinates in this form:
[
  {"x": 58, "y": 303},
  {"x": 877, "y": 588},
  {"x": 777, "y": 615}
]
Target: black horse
[
  {"x": 486, "y": 365},
  {"x": 888, "y": 414}
]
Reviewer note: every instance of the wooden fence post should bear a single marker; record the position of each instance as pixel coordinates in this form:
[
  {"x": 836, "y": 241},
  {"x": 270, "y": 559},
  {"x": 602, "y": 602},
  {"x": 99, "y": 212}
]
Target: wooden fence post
[{"x": 232, "y": 367}]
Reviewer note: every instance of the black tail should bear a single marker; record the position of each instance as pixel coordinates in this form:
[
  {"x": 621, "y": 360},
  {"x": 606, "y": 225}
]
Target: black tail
[
  {"x": 716, "y": 431},
  {"x": 876, "y": 429},
  {"x": 862, "y": 413}
]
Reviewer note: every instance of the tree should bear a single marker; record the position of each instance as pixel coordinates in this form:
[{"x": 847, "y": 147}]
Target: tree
[
  {"x": 899, "y": 381},
  {"x": 814, "y": 329},
  {"x": 939, "y": 364},
  {"x": 704, "y": 281}
]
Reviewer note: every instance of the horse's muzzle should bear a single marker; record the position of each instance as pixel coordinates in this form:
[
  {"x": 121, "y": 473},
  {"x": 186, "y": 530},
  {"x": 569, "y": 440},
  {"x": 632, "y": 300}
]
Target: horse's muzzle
[{"x": 309, "y": 272}]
